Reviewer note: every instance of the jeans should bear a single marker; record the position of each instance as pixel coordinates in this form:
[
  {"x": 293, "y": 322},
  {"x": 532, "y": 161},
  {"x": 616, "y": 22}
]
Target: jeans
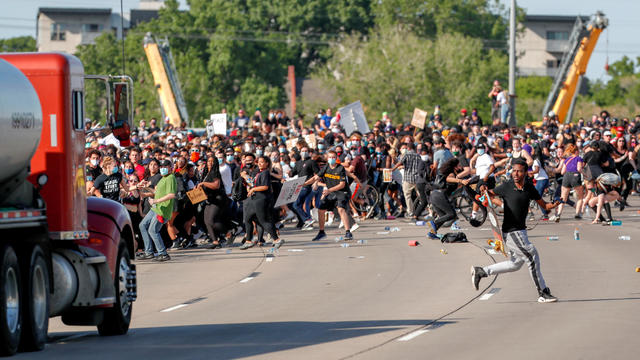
[
  {"x": 541, "y": 185},
  {"x": 150, "y": 227},
  {"x": 504, "y": 111},
  {"x": 302, "y": 200}
]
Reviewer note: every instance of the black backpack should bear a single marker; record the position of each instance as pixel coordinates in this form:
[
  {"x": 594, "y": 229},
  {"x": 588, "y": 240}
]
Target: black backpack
[
  {"x": 454, "y": 237},
  {"x": 238, "y": 191}
]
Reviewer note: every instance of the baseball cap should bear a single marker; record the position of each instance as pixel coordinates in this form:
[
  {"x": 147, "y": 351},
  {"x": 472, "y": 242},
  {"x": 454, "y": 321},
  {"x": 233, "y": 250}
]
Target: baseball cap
[
  {"x": 166, "y": 163},
  {"x": 607, "y": 133}
]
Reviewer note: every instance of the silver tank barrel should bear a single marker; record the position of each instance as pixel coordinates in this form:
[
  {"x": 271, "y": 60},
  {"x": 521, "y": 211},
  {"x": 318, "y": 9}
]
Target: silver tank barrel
[{"x": 20, "y": 121}]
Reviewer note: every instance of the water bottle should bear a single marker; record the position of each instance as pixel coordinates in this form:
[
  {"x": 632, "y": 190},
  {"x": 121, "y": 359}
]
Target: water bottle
[
  {"x": 344, "y": 245},
  {"x": 616, "y": 223},
  {"x": 421, "y": 223},
  {"x": 576, "y": 234},
  {"x": 387, "y": 228},
  {"x": 624, "y": 237},
  {"x": 395, "y": 229},
  {"x": 339, "y": 238},
  {"x": 552, "y": 238},
  {"x": 362, "y": 242}
]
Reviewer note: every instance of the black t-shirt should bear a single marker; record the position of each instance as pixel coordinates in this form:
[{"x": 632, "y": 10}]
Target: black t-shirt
[
  {"x": 593, "y": 158},
  {"x": 215, "y": 196},
  {"x": 109, "y": 186},
  {"x": 93, "y": 173},
  {"x": 516, "y": 204},
  {"x": 263, "y": 178},
  {"x": 153, "y": 181},
  {"x": 332, "y": 177}
]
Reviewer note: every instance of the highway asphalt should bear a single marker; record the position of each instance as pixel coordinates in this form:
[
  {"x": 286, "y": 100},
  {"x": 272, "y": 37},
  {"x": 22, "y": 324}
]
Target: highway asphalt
[{"x": 382, "y": 299}]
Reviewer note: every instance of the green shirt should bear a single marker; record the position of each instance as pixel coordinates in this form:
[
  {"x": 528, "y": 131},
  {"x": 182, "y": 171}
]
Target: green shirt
[{"x": 166, "y": 185}]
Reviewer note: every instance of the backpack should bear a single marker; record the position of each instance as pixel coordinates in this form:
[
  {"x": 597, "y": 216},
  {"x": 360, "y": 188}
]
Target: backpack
[
  {"x": 238, "y": 191},
  {"x": 454, "y": 237}
]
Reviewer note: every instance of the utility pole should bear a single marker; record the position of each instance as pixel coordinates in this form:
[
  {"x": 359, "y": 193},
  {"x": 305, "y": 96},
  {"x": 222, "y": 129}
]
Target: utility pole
[{"x": 512, "y": 64}]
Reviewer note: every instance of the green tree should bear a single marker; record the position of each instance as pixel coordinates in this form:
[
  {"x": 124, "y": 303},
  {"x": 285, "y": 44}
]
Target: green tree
[
  {"x": 533, "y": 87},
  {"x": 395, "y": 70},
  {"x": 18, "y": 44}
]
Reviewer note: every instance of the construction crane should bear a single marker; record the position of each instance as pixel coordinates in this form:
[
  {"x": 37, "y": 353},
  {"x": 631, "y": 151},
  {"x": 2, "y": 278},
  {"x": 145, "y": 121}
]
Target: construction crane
[
  {"x": 573, "y": 66},
  {"x": 166, "y": 81}
]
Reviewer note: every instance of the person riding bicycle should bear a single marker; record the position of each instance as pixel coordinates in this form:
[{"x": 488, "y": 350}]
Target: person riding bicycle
[{"x": 443, "y": 186}]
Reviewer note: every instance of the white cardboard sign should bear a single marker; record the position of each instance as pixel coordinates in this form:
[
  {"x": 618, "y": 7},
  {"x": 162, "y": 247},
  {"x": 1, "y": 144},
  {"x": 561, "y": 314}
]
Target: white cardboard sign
[
  {"x": 217, "y": 125},
  {"x": 352, "y": 118},
  {"x": 290, "y": 191}
]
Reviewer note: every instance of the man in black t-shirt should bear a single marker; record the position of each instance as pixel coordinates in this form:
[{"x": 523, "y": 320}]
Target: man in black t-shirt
[
  {"x": 516, "y": 195},
  {"x": 307, "y": 167},
  {"x": 335, "y": 194}
]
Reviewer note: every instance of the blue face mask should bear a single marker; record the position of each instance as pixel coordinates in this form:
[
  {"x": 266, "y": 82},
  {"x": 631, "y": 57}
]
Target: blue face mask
[
  {"x": 115, "y": 170},
  {"x": 320, "y": 146},
  {"x": 259, "y": 152},
  {"x": 331, "y": 161},
  {"x": 371, "y": 150},
  {"x": 282, "y": 163},
  {"x": 292, "y": 164},
  {"x": 164, "y": 171},
  {"x": 220, "y": 161},
  {"x": 528, "y": 131},
  {"x": 128, "y": 171},
  {"x": 508, "y": 155},
  {"x": 229, "y": 158},
  {"x": 282, "y": 150},
  {"x": 480, "y": 151}
]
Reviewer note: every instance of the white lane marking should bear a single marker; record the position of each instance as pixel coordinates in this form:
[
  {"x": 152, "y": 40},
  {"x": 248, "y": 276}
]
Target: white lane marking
[
  {"x": 488, "y": 295},
  {"x": 295, "y": 250},
  {"x": 174, "y": 308},
  {"x": 247, "y": 279},
  {"x": 269, "y": 259},
  {"x": 412, "y": 335}
]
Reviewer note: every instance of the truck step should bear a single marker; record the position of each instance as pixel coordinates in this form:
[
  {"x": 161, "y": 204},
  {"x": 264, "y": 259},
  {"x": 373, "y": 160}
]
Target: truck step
[{"x": 96, "y": 259}]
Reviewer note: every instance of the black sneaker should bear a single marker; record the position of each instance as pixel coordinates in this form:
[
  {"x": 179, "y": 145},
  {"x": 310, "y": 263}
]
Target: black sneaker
[
  {"x": 162, "y": 258},
  {"x": 546, "y": 297},
  {"x": 348, "y": 236},
  {"x": 321, "y": 235},
  {"x": 143, "y": 256},
  {"x": 177, "y": 244},
  {"x": 477, "y": 273}
]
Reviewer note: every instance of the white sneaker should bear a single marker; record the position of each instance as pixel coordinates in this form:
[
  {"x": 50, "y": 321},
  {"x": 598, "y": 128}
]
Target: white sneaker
[
  {"x": 341, "y": 225},
  {"x": 555, "y": 218},
  {"x": 354, "y": 227},
  {"x": 290, "y": 215},
  {"x": 330, "y": 218},
  {"x": 308, "y": 224}
]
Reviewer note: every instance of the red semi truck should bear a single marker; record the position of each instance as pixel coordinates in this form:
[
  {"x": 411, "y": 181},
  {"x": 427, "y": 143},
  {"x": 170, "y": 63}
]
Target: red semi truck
[{"x": 61, "y": 253}]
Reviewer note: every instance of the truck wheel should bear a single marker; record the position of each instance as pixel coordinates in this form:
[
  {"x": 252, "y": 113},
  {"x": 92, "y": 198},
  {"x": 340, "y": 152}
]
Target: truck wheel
[
  {"x": 35, "y": 304},
  {"x": 117, "y": 319},
  {"x": 10, "y": 294}
]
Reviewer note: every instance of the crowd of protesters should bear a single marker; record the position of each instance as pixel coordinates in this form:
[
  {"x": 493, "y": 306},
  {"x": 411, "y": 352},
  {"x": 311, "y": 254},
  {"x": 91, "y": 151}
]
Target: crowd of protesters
[{"x": 588, "y": 165}]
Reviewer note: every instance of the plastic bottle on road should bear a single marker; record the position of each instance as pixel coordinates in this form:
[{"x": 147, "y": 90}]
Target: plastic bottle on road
[
  {"x": 344, "y": 245},
  {"x": 616, "y": 223},
  {"x": 421, "y": 223},
  {"x": 362, "y": 242},
  {"x": 395, "y": 229},
  {"x": 387, "y": 228},
  {"x": 624, "y": 237},
  {"x": 552, "y": 238},
  {"x": 576, "y": 234},
  {"x": 338, "y": 239}
]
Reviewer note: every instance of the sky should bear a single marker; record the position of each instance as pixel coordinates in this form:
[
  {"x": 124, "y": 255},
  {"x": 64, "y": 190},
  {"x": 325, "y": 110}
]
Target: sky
[{"x": 20, "y": 17}]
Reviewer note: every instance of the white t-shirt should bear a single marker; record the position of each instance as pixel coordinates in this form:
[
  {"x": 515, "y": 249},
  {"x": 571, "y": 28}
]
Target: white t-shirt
[
  {"x": 502, "y": 99},
  {"x": 225, "y": 173},
  {"x": 541, "y": 175},
  {"x": 483, "y": 163}
]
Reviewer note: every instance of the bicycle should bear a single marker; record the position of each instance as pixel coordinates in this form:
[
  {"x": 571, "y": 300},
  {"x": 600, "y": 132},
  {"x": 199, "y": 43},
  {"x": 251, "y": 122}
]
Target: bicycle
[
  {"x": 367, "y": 200},
  {"x": 463, "y": 199}
]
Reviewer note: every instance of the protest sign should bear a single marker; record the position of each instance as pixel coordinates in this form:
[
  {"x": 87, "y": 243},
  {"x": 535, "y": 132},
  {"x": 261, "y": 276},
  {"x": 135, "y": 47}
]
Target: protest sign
[
  {"x": 419, "y": 118},
  {"x": 290, "y": 191},
  {"x": 386, "y": 175},
  {"x": 352, "y": 118},
  {"x": 196, "y": 195},
  {"x": 217, "y": 125}
]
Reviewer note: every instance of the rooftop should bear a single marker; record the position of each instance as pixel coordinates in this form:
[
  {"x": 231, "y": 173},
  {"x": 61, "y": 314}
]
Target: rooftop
[
  {"x": 554, "y": 18},
  {"x": 95, "y": 11}
]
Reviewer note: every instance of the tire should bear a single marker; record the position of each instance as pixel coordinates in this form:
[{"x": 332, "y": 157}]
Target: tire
[
  {"x": 464, "y": 204},
  {"x": 35, "y": 303},
  {"x": 10, "y": 295},
  {"x": 117, "y": 319}
]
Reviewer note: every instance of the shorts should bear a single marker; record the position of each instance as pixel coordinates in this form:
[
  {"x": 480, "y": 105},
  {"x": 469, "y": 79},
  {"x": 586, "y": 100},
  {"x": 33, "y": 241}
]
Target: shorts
[
  {"x": 334, "y": 200},
  {"x": 357, "y": 189},
  {"x": 571, "y": 180}
]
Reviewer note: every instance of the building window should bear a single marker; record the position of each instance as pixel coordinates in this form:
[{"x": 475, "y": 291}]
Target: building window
[
  {"x": 557, "y": 35},
  {"x": 58, "y": 32},
  {"x": 552, "y": 64},
  {"x": 91, "y": 28}
]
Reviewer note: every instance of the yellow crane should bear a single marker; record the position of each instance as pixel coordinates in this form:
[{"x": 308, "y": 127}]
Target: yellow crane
[
  {"x": 166, "y": 80},
  {"x": 573, "y": 66}
]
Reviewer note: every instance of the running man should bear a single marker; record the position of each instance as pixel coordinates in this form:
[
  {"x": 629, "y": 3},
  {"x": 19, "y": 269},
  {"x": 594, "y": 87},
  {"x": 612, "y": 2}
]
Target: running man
[{"x": 516, "y": 194}]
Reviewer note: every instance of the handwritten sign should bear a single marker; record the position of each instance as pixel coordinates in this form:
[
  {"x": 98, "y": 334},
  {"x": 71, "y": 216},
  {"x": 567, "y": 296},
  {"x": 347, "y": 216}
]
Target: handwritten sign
[
  {"x": 217, "y": 125},
  {"x": 290, "y": 191},
  {"x": 419, "y": 118},
  {"x": 197, "y": 195}
]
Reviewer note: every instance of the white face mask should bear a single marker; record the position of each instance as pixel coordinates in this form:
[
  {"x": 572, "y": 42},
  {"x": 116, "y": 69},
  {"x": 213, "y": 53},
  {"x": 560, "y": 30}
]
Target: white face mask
[
  {"x": 424, "y": 157},
  {"x": 403, "y": 151},
  {"x": 93, "y": 162}
]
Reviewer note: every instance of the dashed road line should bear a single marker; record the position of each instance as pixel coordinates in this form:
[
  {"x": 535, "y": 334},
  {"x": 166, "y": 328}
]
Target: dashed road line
[
  {"x": 179, "y": 306},
  {"x": 412, "y": 335},
  {"x": 489, "y": 294},
  {"x": 247, "y": 279}
]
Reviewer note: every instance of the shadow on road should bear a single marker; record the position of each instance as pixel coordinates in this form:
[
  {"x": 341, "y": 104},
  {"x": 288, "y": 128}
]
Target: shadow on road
[{"x": 219, "y": 341}]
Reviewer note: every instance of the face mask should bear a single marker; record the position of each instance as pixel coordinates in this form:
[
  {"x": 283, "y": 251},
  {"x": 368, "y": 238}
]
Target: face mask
[
  {"x": 378, "y": 153},
  {"x": 303, "y": 155},
  {"x": 220, "y": 161},
  {"x": 371, "y": 150},
  {"x": 259, "y": 152},
  {"x": 456, "y": 153},
  {"x": 540, "y": 134},
  {"x": 270, "y": 116},
  {"x": 229, "y": 158},
  {"x": 546, "y": 137},
  {"x": 331, "y": 161},
  {"x": 274, "y": 159},
  {"x": 320, "y": 146},
  {"x": 282, "y": 150},
  {"x": 348, "y": 144},
  {"x": 248, "y": 166},
  {"x": 282, "y": 163},
  {"x": 292, "y": 164},
  {"x": 528, "y": 131},
  {"x": 94, "y": 162},
  {"x": 115, "y": 170},
  {"x": 128, "y": 171},
  {"x": 164, "y": 171},
  {"x": 424, "y": 157},
  {"x": 403, "y": 151},
  {"x": 509, "y": 155},
  {"x": 480, "y": 151}
]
